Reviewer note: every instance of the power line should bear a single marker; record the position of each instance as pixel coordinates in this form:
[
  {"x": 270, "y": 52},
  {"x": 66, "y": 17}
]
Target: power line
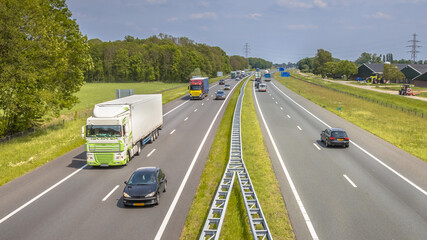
[
  {"x": 246, "y": 50},
  {"x": 414, "y": 47}
]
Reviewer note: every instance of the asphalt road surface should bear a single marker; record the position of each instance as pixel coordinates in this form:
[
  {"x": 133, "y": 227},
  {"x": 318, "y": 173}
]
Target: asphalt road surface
[
  {"x": 65, "y": 199},
  {"x": 371, "y": 190}
]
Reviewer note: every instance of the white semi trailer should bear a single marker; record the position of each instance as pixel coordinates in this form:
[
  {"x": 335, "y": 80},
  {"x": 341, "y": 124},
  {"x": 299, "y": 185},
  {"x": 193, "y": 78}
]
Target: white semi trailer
[{"x": 119, "y": 128}]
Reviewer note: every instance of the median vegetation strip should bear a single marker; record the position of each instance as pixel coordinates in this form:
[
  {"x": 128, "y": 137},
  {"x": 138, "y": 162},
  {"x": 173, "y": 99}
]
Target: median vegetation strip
[
  {"x": 400, "y": 128},
  {"x": 255, "y": 155},
  {"x": 23, "y": 154}
]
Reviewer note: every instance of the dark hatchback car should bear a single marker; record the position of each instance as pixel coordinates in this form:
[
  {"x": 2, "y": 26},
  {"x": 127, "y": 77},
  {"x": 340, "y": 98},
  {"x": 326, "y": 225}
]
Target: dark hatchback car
[
  {"x": 221, "y": 82},
  {"x": 220, "y": 94},
  {"x": 335, "y": 137},
  {"x": 144, "y": 187}
]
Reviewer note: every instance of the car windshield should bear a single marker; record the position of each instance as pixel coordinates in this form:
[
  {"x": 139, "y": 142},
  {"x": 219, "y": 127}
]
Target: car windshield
[
  {"x": 196, "y": 87},
  {"x": 143, "y": 178},
  {"x": 103, "y": 131},
  {"x": 339, "y": 134}
]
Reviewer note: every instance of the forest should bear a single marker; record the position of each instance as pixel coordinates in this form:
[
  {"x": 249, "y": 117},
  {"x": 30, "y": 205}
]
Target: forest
[{"x": 158, "y": 58}]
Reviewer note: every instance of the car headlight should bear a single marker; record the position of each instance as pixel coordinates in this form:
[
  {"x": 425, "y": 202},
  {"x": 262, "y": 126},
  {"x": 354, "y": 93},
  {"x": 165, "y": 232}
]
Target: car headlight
[
  {"x": 126, "y": 195},
  {"x": 150, "y": 194}
]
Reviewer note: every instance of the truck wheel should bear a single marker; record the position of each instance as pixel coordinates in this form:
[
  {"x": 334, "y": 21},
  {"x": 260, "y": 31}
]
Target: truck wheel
[
  {"x": 138, "y": 149},
  {"x": 157, "y": 133},
  {"x": 152, "y": 137}
]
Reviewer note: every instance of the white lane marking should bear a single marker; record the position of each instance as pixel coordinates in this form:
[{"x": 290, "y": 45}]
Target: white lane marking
[
  {"x": 288, "y": 177},
  {"x": 207, "y": 99},
  {"x": 276, "y": 102},
  {"x": 288, "y": 116},
  {"x": 349, "y": 180},
  {"x": 195, "y": 110},
  {"x": 187, "y": 175},
  {"x": 152, "y": 151},
  {"x": 318, "y": 148},
  {"x": 186, "y": 119},
  {"x": 108, "y": 195},
  {"x": 40, "y": 195},
  {"x": 273, "y": 98},
  {"x": 299, "y": 127},
  {"x": 362, "y": 149},
  {"x": 176, "y": 108},
  {"x": 203, "y": 103},
  {"x": 172, "y": 131},
  {"x": 281, "y": 108}
]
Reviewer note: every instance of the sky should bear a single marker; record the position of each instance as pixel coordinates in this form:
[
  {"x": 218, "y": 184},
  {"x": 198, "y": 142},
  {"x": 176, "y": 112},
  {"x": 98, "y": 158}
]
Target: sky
[{"x": 279, "y": 31}]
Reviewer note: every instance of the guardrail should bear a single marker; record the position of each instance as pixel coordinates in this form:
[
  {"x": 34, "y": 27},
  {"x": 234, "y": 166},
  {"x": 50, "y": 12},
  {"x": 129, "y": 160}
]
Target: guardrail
[{"x": 236, "y": 166}]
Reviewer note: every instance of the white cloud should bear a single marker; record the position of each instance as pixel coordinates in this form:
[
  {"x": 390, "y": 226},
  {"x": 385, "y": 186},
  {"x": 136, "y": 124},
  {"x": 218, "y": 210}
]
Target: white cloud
[
  {"x": 302, "y": 3},
  {"x": 379, "y": 15},
  {"x": 155, "y": 1},
  {"x": 302, "y": 27},
  {"x": 255, "y": 16},
  {"x": 320, "y": 3},
  {"x": 210, "y": 15}
]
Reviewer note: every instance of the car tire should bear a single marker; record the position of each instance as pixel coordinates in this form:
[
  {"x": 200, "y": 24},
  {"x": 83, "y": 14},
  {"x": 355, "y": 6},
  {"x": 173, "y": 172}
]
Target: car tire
[
  {"x": 166, "y": 186},
  {"x": 157, "y": 198},
  {"x": 347, "y": 145}
]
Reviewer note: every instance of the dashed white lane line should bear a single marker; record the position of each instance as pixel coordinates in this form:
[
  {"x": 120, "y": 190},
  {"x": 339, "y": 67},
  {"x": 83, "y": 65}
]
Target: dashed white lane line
[
  {"x": 176, "y": 108},
  {"x": 203, "y": 103},
  {"x": 152, "y": 151},
  {"x": 362, "y": 149},
  {"x": 186, "y": 119},
  {"x": 288, "y": 116},
  {"x": 276, "y": 103},
  {"x": 349, "y": 180},
  {"x": 195, "y": 110},
  {"x": 172, "y": 132},
  {"x": 281, "y": 108},
  {"x": 318, "y": 148},
  {"x": 273, "y": 98},
  {"x": 109, "y": 194},
  {"x": 299, "y": 128}
]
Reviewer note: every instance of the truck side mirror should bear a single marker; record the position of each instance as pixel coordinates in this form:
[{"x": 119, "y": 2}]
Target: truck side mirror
[{"x": 83, "y": 131}]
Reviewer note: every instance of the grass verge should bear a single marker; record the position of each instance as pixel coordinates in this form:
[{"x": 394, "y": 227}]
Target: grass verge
[
  {"x": 401, "y": 129},
  {"x": 51, "y": 142},
  {"x": 236, "y": 225}
]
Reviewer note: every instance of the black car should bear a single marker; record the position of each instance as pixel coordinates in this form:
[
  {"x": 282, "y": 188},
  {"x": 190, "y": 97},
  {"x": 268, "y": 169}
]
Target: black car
[
  {"x": 220, "y": 94},
  {"x": 144, "y": 187},
  {"x": 221, "y": 82},
  {"x": 335, "y": 137}
]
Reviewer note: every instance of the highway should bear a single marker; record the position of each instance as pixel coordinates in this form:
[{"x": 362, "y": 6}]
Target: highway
[
  {"x": 65, "y": 199},
  {"x": 371, "y": 190}
]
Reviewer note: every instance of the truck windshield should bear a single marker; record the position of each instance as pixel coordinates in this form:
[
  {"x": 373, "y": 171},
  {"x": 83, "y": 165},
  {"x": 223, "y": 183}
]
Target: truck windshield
[
  {"x": 103, "y": 131},
  {"x": 196, "y": 87}
]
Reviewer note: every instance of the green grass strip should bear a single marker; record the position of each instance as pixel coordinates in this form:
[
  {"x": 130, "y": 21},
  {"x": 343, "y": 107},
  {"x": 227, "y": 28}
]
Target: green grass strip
[
  {"x": 401, "y": 129},
  {"x": 214, "y": 168},
  {"x": 256, "y": 157}
]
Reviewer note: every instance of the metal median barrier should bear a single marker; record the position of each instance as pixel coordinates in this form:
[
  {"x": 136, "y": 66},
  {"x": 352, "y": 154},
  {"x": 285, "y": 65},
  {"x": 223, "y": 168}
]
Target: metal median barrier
[{"x": 236, "y": 166}]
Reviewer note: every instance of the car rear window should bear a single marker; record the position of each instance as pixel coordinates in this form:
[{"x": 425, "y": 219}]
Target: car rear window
[{"x": 339, "y": 134}]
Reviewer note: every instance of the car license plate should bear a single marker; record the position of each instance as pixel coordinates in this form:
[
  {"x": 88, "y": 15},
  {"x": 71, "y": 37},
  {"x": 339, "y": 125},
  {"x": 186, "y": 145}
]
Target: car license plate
[
  {"x": 340, "y": 139},
  {"x": 139, "y": 204}
]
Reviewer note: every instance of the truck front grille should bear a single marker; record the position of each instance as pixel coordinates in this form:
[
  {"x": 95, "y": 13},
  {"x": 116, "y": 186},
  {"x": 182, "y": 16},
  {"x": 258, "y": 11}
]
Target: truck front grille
[
  {"x": 104, "y": 147},
  {"x": 104, "y": 158}
]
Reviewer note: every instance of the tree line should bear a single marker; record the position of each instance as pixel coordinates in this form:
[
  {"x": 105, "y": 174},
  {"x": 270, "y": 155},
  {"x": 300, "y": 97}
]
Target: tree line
[{"x": 158, "y": 58}]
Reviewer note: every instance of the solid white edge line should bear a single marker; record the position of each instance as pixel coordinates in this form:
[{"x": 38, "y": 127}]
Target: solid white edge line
[
  {"x": 40, "y": 195},
  {"x": 172, "y": 131},
  {"x": 349, "y": 180},
  {"x": 109, "y": 194},
  {"x": 176, "y": 108},
  {"x": 187, "y": 175},
  {"x": 152, "y": 151},
  {"x": 288, "y": 177},
  {"x": 363, "y": 150},
  {"x": 316, "y": 146}
]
